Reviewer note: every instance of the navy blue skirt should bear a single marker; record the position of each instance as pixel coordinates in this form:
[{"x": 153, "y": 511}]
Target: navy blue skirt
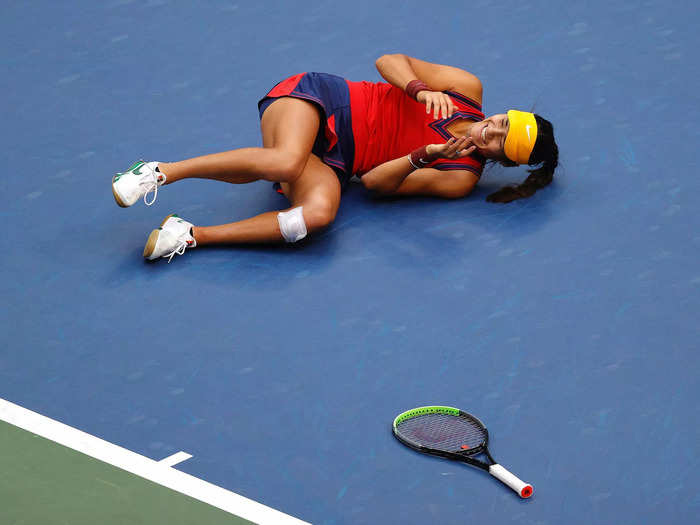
[{"x": 334, "y": 143}]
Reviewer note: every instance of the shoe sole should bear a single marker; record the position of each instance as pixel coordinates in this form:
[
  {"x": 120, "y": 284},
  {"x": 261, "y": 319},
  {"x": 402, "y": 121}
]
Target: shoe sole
[
  {"x": 151, "y": 243},
  {"x": 116, "y": 198},
  {"x": 153, "y": 237}
]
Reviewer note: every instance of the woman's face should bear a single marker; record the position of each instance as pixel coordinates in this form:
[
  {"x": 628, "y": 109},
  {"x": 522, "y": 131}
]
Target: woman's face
[{"x": 489, "y": 136}]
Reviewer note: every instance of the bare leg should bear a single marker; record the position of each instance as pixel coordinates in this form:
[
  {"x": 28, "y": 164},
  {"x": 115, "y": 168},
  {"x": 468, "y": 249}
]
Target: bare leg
[
  {"x": 317, "y": 190},
  {"x": 262, "y": 228},
  {"x": 289, "y": 127}
]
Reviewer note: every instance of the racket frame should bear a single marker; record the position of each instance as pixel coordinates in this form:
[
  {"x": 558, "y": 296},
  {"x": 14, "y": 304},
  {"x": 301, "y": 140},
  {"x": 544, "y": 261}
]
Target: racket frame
[
  {"x": 523, "y": 489},
  {"x": 459, "y": 456}
]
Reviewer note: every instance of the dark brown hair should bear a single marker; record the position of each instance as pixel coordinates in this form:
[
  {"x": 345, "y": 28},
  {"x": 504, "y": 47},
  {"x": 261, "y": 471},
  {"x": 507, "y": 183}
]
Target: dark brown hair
[{"x": 544, "y": 151}]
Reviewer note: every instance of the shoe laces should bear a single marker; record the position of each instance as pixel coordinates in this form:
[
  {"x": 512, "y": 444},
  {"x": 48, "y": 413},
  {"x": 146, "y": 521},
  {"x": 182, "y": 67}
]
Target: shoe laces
[
  {"x": 150, "y": 184},
  {"x": 183, "y": 244}
]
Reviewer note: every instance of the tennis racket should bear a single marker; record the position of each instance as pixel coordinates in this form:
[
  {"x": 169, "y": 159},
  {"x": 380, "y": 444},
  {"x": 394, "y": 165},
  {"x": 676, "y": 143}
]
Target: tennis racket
[{"x": 453, "y": 434}]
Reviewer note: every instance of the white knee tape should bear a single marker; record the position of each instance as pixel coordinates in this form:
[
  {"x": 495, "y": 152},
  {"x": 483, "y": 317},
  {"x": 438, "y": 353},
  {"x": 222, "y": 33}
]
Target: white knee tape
[{"x": 292, "y": 224}]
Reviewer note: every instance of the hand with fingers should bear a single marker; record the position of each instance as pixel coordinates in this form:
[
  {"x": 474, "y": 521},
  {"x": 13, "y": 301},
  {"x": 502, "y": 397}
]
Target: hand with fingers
[
  {"x": 455, "y": 148},
  {"x": 438, "y": 102},
  {"x": 452, "y": 149}
]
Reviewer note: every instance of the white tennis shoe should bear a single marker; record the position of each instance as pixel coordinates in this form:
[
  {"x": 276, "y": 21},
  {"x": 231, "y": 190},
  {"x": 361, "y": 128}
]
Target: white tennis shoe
[
  {"x": 136, "y": 182},
  {"x": 172, "y": 238}
]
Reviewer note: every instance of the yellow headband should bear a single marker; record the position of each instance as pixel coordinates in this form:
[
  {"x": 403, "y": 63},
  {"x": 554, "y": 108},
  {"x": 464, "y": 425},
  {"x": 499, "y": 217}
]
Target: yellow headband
[{"x": 521, "y": 137}]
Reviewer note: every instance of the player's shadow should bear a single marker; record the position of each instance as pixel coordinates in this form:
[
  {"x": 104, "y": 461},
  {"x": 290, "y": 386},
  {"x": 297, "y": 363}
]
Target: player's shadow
[{"x": 447, "y": 233}]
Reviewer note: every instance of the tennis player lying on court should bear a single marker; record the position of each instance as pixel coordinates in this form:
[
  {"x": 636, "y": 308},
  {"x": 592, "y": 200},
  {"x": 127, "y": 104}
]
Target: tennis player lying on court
[{"x": 422, "y": 133}]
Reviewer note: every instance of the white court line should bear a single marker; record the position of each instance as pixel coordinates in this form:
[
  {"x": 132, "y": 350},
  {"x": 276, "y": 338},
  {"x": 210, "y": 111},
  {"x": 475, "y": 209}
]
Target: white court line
[
  {"x": 176, "y": 458},
  {"x": 143, "y": 466}
]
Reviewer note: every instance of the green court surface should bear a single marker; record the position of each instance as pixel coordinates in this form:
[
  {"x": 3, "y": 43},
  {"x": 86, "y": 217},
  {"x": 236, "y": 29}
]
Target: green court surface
[{"x": 44, "y": 483}]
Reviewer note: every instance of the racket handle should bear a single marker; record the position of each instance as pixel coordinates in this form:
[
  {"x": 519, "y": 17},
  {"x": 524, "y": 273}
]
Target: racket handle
[{"x": 523, "y": 489}]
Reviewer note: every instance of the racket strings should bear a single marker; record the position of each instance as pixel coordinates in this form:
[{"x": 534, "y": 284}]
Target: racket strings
[{"x": 443, "y": 432}]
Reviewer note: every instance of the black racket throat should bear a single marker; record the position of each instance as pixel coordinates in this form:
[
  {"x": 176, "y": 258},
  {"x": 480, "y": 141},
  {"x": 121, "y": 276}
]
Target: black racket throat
[{"x": 466, "y": 457}]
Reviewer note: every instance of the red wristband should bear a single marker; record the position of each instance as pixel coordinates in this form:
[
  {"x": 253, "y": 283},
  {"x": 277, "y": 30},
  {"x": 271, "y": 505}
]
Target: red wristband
[
  {"x": 414, "y": 86},
  {"x": 419, "y": 158}
]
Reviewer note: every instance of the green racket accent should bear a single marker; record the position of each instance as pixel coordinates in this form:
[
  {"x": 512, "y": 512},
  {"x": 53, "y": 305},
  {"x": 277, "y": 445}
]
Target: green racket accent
[{"x": 425, "y": 410}]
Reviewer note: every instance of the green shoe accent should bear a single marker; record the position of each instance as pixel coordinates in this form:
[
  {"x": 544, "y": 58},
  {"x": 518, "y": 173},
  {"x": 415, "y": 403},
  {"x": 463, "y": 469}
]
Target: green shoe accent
[{"x": 135, "y": 167}]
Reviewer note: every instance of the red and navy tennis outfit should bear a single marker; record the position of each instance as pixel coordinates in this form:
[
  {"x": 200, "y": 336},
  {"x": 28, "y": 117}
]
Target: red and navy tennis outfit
[{"x": 364, "y": 124}]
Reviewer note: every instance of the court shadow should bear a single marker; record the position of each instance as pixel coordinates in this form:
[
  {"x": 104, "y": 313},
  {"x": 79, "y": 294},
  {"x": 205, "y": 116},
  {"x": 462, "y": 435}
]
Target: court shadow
[{"x": 445, "y": 233}]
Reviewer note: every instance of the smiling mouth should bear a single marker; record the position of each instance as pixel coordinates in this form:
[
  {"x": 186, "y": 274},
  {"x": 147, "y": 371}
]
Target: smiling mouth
[{"x": 483, "y": 135}]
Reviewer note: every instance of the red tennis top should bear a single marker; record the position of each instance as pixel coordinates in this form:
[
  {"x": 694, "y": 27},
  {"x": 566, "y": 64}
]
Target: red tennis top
[{"x": 387, "y": 124}]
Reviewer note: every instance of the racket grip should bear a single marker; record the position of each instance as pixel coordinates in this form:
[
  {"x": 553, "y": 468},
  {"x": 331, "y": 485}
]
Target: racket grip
[{"x": 523, "y": 489}]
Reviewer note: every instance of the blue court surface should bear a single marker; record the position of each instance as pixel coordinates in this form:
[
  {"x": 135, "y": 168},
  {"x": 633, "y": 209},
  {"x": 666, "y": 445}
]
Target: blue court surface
[{"x": 567, "y": 322}]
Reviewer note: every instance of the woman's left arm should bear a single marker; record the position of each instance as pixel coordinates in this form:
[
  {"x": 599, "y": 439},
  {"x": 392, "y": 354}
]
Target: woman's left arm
[
  {"x": 430, "y": 182},
  {"x": 400, "y": 176}
]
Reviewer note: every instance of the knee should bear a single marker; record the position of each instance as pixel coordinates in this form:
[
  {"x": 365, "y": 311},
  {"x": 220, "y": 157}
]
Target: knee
[
  {"x": 289, "y": 166},
  {"x": 318, "y": 216},
  {"x": 297, "y": 222}
]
